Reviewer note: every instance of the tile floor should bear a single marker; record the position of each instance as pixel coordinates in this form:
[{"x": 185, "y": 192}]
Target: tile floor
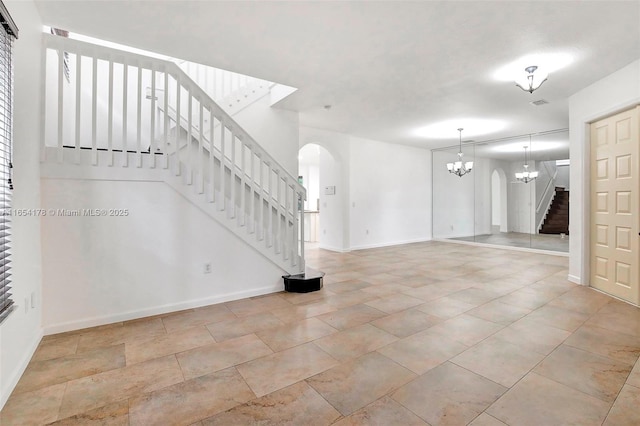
[{"x": 421, "y": 334}]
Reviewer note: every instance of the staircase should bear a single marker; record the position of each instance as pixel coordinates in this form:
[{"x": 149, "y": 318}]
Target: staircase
[
  {"x": 143, "y": 118},
  {"x": 557, "y": 218}
]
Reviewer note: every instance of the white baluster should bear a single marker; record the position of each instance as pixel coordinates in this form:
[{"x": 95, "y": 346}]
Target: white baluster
[
  {"x": 60, "y": 104},
  {"x": 110, "y": 117},
  {"x": 212, "y": 160},
  {"x": 125, "y": 104},
  {"x": 94, "y": 106},
  {"x": 78, "y": 105},
  {"x": 139, "y": 119},
  {"x": 165, "y": 139},
  {"x": 201, "y": 151},
  {"x": 153, "y": 145},
  {"x": 176, "y": 148}
]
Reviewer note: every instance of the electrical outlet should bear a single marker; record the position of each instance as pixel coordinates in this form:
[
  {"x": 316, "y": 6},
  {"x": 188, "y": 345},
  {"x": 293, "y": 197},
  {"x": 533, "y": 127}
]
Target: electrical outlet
[{"x": 207, "y": 268}]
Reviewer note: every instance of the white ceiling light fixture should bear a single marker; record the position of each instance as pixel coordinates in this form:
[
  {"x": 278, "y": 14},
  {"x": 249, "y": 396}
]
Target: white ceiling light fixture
[
  {"x": 526, "y": 175},
  {"x": 459, "y": 168},
  {"x": 531, "y": 81}
]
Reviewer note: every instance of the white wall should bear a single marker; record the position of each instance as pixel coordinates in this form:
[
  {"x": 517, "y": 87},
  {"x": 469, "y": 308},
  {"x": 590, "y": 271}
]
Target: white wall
[
  {"x": 99, "y": 270},
  {"x": 390, "y": 197},
  {"x": 613, "y": 93},
  {"x": 21, "y": 332},
  {"x": 276, "y": 130},
  {"x": 380, "y": 187},
  {"x": 563, "y": 178}
]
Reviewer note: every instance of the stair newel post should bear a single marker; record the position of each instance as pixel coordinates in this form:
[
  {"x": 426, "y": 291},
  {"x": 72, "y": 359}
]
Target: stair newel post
[
  {"x": 286, "y": 249},
  {"x": 294, "y": 222},
  {"x": 201, "y": 150},
  {"x": 189, "y": 136},
  {"x": 125, "y": 88},
  {"x": 242, "y": 220},
  {"x": 153, "y": 147},
  {"x": 176, "y": 148},
  {"x": 110, "y": 117},
  {"x": 139, "y": 118},
  {"x": 223, "y": 173},
  {"x": 232, "y": 176},
  {"x": 302, "y": 196},
  {"x": 94, "y": 111},
  {"x": 212, "y": 150},
  {"x": 165, "y": 120},
  {"x": 251, "y": 226},
  {"x": 277, "y": 232},
  {"x": 60, "y": 104},
  {"x": 78, "y": 73}
]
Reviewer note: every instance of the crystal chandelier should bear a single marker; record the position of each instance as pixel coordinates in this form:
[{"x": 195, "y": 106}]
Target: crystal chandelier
[
  {"x": 525, "y": 175},
  {"x": 530, "y": 82},
  {"x": 459, "y": 168}
]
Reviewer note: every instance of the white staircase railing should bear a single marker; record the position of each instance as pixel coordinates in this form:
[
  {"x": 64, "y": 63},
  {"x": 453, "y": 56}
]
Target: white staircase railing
[
  {"x": 120, "y": 109},
  {"x": 232, "y": 91}
]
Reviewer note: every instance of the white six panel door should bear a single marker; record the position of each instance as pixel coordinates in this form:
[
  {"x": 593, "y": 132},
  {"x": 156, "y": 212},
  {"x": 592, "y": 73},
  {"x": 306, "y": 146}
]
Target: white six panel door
[{"x": 615, "y": 205}]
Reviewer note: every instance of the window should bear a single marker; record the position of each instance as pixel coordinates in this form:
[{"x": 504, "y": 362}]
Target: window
[{"x": 8, "y": 33}]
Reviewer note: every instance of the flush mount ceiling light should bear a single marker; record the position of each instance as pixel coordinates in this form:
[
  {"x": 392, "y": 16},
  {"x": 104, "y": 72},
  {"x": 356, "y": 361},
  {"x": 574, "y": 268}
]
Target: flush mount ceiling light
[
  {"x": 531, "y": 81},
  {"x": 473, "y": 127},
  {"x": 459, "y": 168}
]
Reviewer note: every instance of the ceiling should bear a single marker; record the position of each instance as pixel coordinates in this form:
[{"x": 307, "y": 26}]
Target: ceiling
[{"x": 386, "y": 68}]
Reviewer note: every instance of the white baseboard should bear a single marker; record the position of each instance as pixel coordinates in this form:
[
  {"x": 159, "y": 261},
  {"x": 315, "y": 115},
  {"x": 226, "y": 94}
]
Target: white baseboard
[
  {"x": 157, "y": 310},
  {"x": 501, "y": 247},
  {"x": 17, "y": 373},
  {"x": 337, "y": 250},
  {"x": 389, "y": 244},
  {"x": 574, "y": 279}
]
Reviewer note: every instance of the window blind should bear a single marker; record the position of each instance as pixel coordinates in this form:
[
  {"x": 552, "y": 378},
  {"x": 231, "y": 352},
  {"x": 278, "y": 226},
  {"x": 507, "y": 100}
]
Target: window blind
[{"x": 9, "y": 32}]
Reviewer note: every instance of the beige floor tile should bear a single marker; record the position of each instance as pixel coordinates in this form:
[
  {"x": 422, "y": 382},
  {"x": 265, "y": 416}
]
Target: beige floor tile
[
  {"x": 592, "y": 374},
  {"x": 190, "y": 401},
  {"x": 383, "y": 412},
  {"x": 252, "y": 306},
  {"x": 108, "y": 336},
  {"x": 634, "y": 377},
  {"x": 311, "y": 297},
  {"x": 465, "y": 329},
  {"x": 558, "y": 318},
  {"x": 218, "y": 356},
  {"x": 429, "y": 292},
  {"x": 618, "y": 346},
  {"x": 422, "y": 352},
  {"x": 33, "y": 408},
  {"x": 445, "y": 307},
  {"x": 527, "y": 298},
  {"x": 102, "y": 389},
  {"x": 499, "y": 312},
  {"x": 353, "y": 385},
  {"x": 230, "y": 329},
  {"x": 116, "y": 414},
  {"x": 619, "y": 317},
  {"x": 393, "y": 304},
  {"x": 346, "y": 286},
  {"x": 294, "y": 334},
  {"x": 56, "y": 347},
  {"x": 502, "y": 362},
  {"x": 533, "y": 336},
  {"x": 406, "y": 323},
  {"x": 448, "y": 395},
  {"x": 475, "y": 296},
  {"x": 486, "y": 420},
  {"x": 350, "y": 298},
  {"x": 351, "y": 316},
  {"x": 299, "y": 312},
  {"x": 625, "y": 410},
  {"x": 156, "y": 347},
  {"x": 270, "y": 373},
  {"x": 41, "y": 374},
  {"x": 298, "y": 404},
  {"x": 383, "y": 290},
  {"x": 356, "y": 341},
  {"x": 197, "y": 317},
  {"x": 581, "y": 299},
  {"x": 536, "y": 400}
]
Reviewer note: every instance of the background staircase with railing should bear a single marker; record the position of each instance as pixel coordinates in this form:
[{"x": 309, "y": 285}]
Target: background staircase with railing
[
  {"x": 557, "y": 218},
  {"x": 120, "y": 113}
]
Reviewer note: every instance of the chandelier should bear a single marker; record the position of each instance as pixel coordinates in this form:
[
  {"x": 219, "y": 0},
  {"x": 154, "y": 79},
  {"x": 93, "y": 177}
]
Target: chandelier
[
  {"x": 530, "y": 82},
  {"x": 459, "y": 168},
  {"x": 525, "y": 175}
]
